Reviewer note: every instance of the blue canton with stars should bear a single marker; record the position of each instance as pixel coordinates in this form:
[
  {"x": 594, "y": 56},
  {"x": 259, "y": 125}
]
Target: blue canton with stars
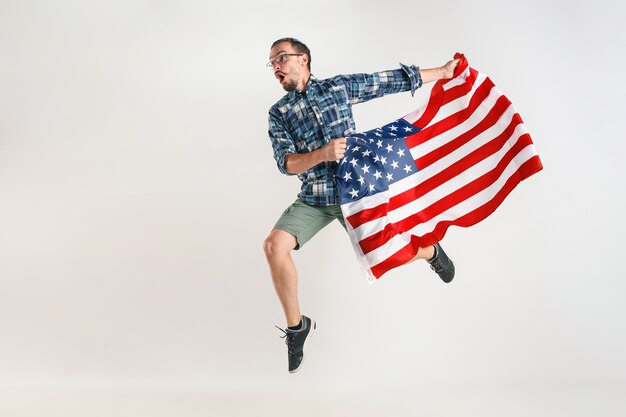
[{"x": 375, "y": 159}]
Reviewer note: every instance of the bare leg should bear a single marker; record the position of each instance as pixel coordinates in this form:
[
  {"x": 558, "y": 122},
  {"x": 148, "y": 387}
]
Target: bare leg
[
  {"x": 277, "y": 247},
  {"x": 424, "y": 253}
]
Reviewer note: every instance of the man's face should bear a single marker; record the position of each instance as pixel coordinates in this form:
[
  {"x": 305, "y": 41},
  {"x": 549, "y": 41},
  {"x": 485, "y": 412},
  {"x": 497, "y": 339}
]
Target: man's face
[{"x": 290, "y": 71}]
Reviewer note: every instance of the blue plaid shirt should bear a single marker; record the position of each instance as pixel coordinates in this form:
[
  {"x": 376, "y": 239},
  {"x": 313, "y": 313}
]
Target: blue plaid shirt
[{"x": 303, "y": 121}]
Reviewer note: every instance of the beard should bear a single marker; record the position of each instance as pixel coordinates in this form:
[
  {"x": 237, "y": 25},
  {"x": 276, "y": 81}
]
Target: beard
[{"x": 290, "y": 85}]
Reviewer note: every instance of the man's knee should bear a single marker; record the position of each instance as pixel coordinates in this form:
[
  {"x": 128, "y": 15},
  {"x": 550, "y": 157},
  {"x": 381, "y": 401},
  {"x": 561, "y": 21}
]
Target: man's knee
[{"x": 278, "y": 243}]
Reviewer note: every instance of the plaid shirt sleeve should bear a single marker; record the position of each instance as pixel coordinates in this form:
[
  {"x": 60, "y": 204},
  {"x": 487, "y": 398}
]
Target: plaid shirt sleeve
[
  {"x": 364, "y": 87},
  {"x": 281, "y": 139}
]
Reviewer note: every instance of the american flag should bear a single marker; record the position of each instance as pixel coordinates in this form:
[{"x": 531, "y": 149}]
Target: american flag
[{"x": 451, "y": 162}]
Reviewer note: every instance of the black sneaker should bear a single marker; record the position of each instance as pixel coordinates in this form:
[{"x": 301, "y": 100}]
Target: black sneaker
[
  {"x": 296, "y": 341},
  {"x": 441, "y": 264}
]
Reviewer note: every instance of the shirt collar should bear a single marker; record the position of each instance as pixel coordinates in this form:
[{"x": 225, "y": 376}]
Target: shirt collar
[{"x": 312, "y": 80}]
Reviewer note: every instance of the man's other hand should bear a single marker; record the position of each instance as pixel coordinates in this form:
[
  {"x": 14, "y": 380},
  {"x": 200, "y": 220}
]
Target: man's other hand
[
  {"x": 334, "y": 150},
  {"x": 448, "y": 69}
]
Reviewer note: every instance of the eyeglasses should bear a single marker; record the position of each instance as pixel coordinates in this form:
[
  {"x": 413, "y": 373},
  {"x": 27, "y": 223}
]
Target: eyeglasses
[{"x": 280, "y": 59}]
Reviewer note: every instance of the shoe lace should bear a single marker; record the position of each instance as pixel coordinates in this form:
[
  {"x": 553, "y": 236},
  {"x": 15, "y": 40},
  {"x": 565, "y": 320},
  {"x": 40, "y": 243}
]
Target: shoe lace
[
  {"x": 288, "y": 340},
  {"x": 436, "y": 265}
]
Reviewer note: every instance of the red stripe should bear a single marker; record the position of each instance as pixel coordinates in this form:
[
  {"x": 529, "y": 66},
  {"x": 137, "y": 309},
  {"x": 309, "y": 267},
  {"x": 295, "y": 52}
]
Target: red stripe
[
  {"x": 367, "y": 215},
  {"x": 479, "y": 184},
  {"x": 434, "y": 104},
  {"x": 401, "y": 257},
  {"x": 440, "y": 97},
  {"x": 454, "y": 119}
]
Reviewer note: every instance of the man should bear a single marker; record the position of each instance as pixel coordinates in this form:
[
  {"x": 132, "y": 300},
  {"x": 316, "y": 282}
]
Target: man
[{"x": 307, "y": 128}]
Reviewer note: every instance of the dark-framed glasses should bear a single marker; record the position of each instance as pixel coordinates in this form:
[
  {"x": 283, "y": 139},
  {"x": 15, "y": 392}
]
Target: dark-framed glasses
[{"x": 280, "y": 59}]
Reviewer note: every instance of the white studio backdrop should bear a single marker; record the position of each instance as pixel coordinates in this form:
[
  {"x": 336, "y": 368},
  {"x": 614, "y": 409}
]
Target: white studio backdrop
[{"x": 137, "y": 185}]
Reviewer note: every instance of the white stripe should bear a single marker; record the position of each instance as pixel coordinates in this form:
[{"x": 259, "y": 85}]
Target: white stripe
[
  {"x": 460, "y": 103},
  {"x": 373, "y": 226},
  {"x": 366, "y": 202},
  {"x": 414, "y": 116},
  {"x": 398, "y": 242},
  {"x": 360, "y": 256},
  {"x": 443, "y": 138}
]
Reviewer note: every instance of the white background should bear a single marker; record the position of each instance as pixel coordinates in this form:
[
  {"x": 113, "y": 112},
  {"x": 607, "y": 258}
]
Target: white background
[{"x": 137, "y": 185}]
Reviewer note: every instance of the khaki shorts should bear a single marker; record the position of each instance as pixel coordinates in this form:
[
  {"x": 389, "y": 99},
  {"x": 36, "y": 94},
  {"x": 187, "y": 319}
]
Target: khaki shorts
[{"x": 303, "y": 220}]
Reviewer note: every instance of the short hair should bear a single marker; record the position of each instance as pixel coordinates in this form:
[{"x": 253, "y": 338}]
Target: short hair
[{"x": 298, "y": 46}]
